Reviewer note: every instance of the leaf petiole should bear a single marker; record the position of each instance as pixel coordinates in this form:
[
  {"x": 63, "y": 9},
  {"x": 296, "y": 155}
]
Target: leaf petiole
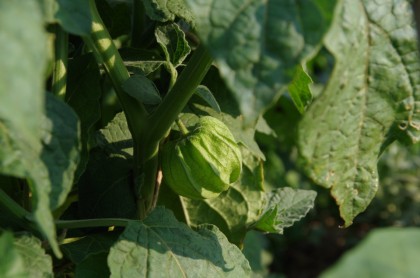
[
  {"x": 92, "y": 223},
  {"x": 21, "y": 215}
]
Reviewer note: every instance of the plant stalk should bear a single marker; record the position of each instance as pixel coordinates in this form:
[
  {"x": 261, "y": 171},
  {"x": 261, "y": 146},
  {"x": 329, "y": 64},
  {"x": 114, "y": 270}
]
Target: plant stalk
[
  {"x": 106, "y": 53},
  {"x": 21, "y": 215},
  {"x": 92, "y": 223},
  {"x": 167, "y": 112},
  {"x": 145, "y": 197},
  {"x": 161, "y": 121},
  {"x": 101, "y": 43},
  {"x": 59, "y": 77}
]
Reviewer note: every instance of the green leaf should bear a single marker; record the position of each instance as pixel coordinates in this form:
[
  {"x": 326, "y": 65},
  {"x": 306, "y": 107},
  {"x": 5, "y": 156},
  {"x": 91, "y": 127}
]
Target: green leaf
[
  {"x": 74, "y": 16},
  {"x": 142, "y": 89},
  {"x": 36, "y": 262},
  {"x": 23, "y": 257},
  {"x": 141, "y": 61},
  {"x": 80, "y": 250},
  {"x": 235, "y": 209},
  {"x": 61, "y": 150},
  {"x": 22, "y": 104},
  {"x": 48, "y": 9},
  {"x": 164, "y": 10},
  {"x": 175, "y": 47},
  {"x": 256, "y": 251},
  {"x": 258, "y": 44},
  {"x": 208, "y": 97},
  {"x": 22, "y": 95},
  {"x": 173, "y": 43},
  {"x": 299, "y": 89},
  {"x": 162, "y": 246},
  {"x": 284, "y": 118},
  {"x": 223, "y": 95},
  {"x": 83, "y": 95},
  {"x": 370, "y": 99},
  {"x": 284, "y": 207},
  {"x": 90, "y": 254},
  {"x": 115, "y": 139},
  {"x": 11, "y": 263},
  {"x": 387, "y": 252},
  {"x": 116, "y": 15},
  {"x": 106, "y": 189},
  {"x": 93, "y": 267}
]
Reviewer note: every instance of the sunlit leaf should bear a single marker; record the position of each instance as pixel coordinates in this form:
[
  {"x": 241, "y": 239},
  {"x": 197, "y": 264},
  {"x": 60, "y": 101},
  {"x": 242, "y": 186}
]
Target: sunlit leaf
[
  {"x": 284, "y": 207},
  {"x": 257, "y": 45},
  {"x": 22, "y": 96},
  {"x": 371, "y": 99},
  {"x": 162, "y": 246}
]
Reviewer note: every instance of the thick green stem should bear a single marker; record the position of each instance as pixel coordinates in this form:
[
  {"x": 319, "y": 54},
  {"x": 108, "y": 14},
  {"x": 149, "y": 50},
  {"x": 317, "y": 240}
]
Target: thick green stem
[
  {"x": 147, "y": 129},
  {"x": 106, "y": 52},
  {"x": 147, "y": 186},
  {"x": 101, "y": 43},
  {"x": 167, "y": 112},
  {"x": 92, "y": 223},
  {"x": 21, "y": 215},
  {"x": 59, "y": 78},
  {"x": 162, "y": 119}
]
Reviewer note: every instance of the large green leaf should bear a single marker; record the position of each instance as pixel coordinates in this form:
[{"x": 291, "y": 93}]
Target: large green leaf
[
  {"x": 90, "y": 253},
  {"x": 23, "y": 51},
  {"x": 167, "y": 10},
  {"x": 106, "y": 189},
  {"x": 79, "y": 250},
  {"x": 385, "y": 253},
  {"x": 11, "y": 263},
  {"x": 74, "y": 16},
  {"x": 23, "y": 257},
  {"x": 23, "y": 47},
  {"x": 371, "y": 98},
  {"x": 36, "y": 262},
  {"x": 94, "y": 266},
  {"x": 160, "y": 246},
  {"x": 258, "y": 44},
  {"x": 284, "y": 207},
  {"x": 61, "y": 150},
  {"x": 83, "y": 94}
]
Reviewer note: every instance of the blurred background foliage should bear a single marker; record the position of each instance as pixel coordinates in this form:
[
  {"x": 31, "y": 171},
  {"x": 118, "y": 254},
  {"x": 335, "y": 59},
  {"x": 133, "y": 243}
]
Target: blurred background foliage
[{"x": 317, "y": 242}]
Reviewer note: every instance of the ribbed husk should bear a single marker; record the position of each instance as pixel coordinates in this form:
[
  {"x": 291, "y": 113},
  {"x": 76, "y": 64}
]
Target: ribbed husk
[{"x": 204, "y": 163}]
